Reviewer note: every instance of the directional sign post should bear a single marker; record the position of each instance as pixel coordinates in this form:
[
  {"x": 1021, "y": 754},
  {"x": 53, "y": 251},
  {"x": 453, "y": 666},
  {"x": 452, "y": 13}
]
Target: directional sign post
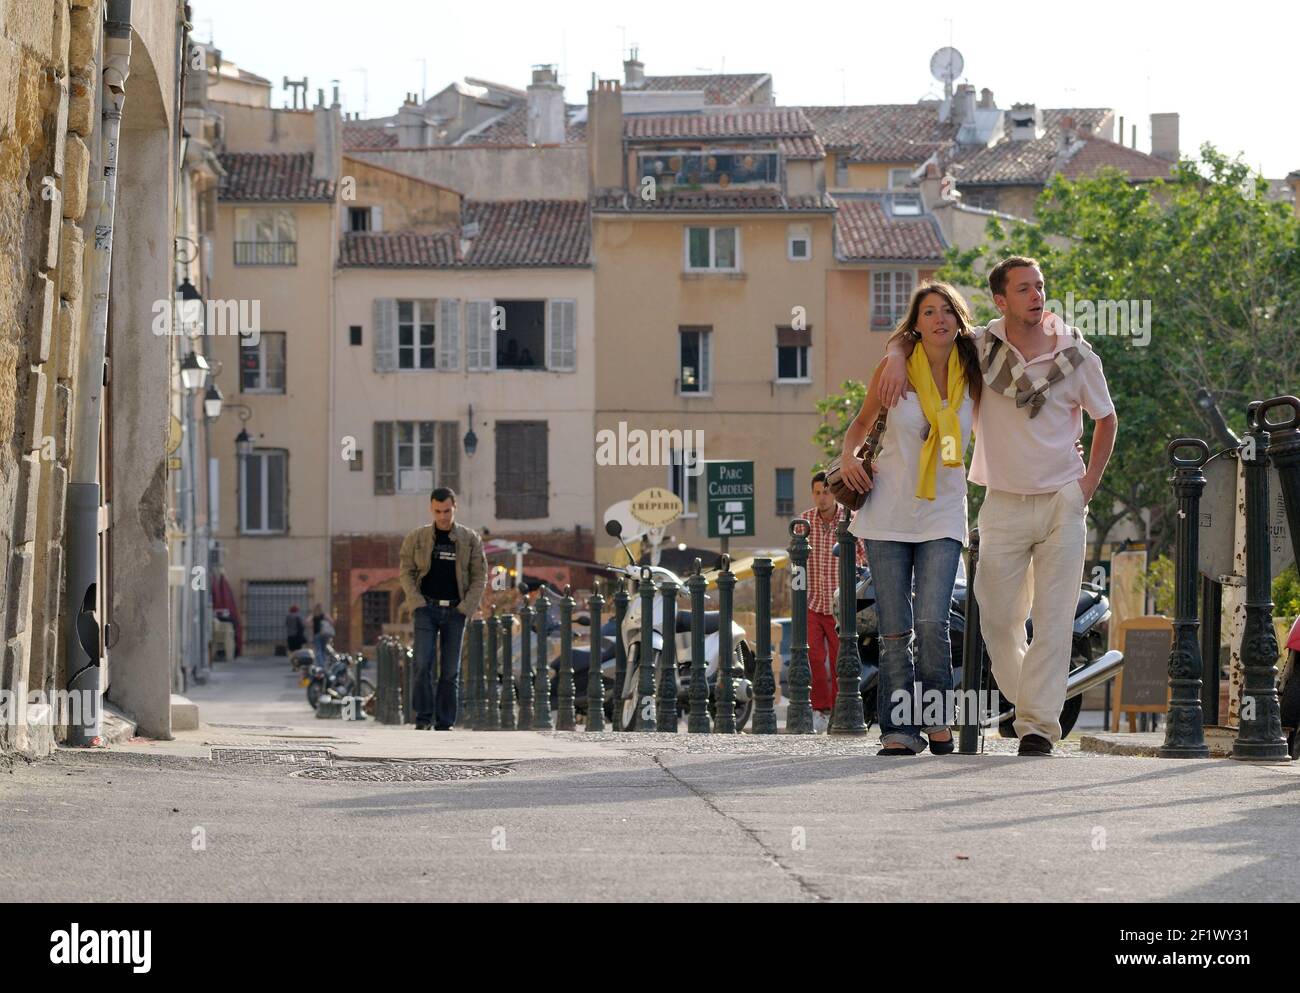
[{"x": 729, "y": 499}]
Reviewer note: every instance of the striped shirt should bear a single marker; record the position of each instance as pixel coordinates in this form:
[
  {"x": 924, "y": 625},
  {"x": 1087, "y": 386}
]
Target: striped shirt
[{"x": 823, "y": 564}]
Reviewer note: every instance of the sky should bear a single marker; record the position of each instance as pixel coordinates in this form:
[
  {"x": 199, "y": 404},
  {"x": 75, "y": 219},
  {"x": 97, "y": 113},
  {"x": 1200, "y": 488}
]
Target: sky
[{"x": 1228, "y": 71}]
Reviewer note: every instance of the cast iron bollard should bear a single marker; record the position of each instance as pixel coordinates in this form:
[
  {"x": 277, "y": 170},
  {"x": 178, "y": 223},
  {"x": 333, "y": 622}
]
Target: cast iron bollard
[
  {"x": 507, "y": 674},
  {"x": 493, "y": 722},
  {"x": 595, "y": 681},
  {"x": 764, "y": 679},
  {"x": 386, "y": 677},
  {"x": 666, "y": 704},
  {"x": 698, "y": 721},
  {"x": 1184, "y": 728},
  {"x": 848, "y": 718},
  {"x": 1259, "y": 736},
  {"x": 525, "y": 667},
  {"x": 542, "y": 680},
  {"x": 1211, "y": 633},
  {"x": 406, "y": 666},
  {"x": 621, "y": 600},
  {"x": 1284, "y": 453},
  {"x": 972, "y": 657},
  {"x": 724, "y": 693},
  {"x": 473, "y": 650},
  {"x": 798, "y": 714},
  {"x": 566, "y": 720},
  {"x": 643, "y": 719},
  {"x": 478, "y": 714}
]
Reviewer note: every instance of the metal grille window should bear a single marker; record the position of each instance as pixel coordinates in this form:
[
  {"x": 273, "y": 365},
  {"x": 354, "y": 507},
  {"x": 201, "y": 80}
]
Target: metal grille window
[
  {"x": 785, "y": 492},
  {"x": 523, "y": 481},
  {"x": 262, "y": 365},
  {"x": 415, "y": 334},
  {"x": 416, "y": 456},
  {"x": 376, "y": 611},
  {"x": 266, "y": 236},
  {"x": 266, "y": 606},
  {"x": 696, "y": 374},
  {"x": 890, "y": 292},
  {"x": 264, "y": 492}
]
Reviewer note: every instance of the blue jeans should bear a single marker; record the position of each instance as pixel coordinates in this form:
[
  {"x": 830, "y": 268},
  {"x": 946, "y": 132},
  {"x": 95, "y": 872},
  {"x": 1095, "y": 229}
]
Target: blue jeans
[
  {"x": 440, "y": 629},
  {"x": 929, "y": 568}
]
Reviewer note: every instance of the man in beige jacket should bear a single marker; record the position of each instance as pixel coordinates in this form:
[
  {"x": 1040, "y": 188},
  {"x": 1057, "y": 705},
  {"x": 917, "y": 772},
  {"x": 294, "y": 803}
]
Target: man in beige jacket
[{"x": 443, "y": 573}]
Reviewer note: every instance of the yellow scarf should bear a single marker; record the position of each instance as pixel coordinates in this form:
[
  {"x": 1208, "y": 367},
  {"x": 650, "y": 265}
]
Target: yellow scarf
[{"x": 945, "y": 422}]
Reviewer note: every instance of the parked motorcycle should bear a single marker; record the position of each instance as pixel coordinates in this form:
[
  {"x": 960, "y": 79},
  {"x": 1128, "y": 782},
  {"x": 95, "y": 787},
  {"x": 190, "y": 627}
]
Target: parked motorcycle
[{"x": 338, "y": 677}]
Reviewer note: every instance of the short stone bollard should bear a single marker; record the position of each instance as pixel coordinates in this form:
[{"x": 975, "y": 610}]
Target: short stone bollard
[
  {"x": 542, "y": 679},
  {"x": 525, "y": 667},
  {"x": 799, "y": 714},
  {"x": 698, "y": 720},
  {"x": 595, "y": 681},
  {"x": 764, "y": 721}
]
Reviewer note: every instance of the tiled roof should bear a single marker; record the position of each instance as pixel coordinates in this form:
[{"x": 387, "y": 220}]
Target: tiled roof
[
  {"x": 726, "y": 88},
  {"x": 865, "y": 231},
  {"x": 356, "y": 136},
  {"x": 717, "y": 201},
  {"x": 512, "y": 234},
  {"x": 802, "y": 147},
  {"x": 1098, "y": 153},
  {"x": 1029, "y": 162},
  {"x": 903, "y": 132},
  {"x": 272, "y": 176},
  {"x": 511, "y": 128},
  {"x": 773, "y": 122}
]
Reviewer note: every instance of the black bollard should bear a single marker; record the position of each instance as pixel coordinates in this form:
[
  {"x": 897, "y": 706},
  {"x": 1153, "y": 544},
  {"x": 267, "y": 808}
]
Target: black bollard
[
  {"x": 1184, "y": 728},
  {"x": 621, "y": 600},
  {"x": 972, "y": 657},
  {"x": 507, "y": 674},
  {"x": 406, "y": 662},
  {"x": 595, "y": 681},
  {"x": 1259, "y": 736},
  {"x": 542, "y": 679},
  {"x": 525, "y": 667},
  {"x": 493, "y": 692},
  {"x": 644, "y": 717},
  {"x": 764, "y": 677},
  {"x": 798, "y": 713},
  {"x": 1284, "y": 453},
  {"x": 1211, "y": 633},
  {"x": 477, "y": 710},
  {"x": 666, "y": 701},
  {"x": 698, "y": 720},
  {"x": 566, "y": 720},
  {"x": 848, "y": 717},
  {"x": 724, "y": 693}
]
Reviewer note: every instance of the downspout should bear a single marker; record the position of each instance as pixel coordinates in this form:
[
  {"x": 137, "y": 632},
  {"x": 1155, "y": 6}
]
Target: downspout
[{"x": 82, "y": 636}]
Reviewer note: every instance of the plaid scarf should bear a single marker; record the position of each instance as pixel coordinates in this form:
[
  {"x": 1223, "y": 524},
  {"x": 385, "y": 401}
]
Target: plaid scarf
[{"x": 1006, "y": 374}]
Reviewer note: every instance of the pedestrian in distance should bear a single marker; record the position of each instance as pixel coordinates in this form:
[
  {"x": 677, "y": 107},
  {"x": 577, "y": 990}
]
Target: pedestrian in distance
[{"x": 295, "y": 631}]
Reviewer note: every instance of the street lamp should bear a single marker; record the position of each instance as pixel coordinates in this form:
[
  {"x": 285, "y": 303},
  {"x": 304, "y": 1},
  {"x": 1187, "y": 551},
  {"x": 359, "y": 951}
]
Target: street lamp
[
  {"x": 194, "y": 372},
  {"x": 212, "y": 400},
  {"x": 189, "y": 308},
  {"x": 471, "y": 439}
]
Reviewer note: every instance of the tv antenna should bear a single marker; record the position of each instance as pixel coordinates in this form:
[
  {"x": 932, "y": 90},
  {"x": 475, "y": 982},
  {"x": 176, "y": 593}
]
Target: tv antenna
[{"x": 946, "y": 65}]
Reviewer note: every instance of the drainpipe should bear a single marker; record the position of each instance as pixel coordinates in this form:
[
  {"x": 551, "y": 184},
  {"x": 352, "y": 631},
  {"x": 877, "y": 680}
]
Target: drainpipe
[{"x": 82, "y": 634}]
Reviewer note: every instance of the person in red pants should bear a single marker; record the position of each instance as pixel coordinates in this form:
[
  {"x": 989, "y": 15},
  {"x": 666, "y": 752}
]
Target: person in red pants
[{"x": 823, "y": 576}]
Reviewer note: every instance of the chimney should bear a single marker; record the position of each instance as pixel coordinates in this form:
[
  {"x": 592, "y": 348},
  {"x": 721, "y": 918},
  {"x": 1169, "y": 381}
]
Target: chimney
[
  {"x": 963, "y": 104},
  {"x": 986, "y": 99},
  {"x": 412, "y": 128},
  {"x": 1164, "y": 136},
  {"x": 605, "y": 165},
  {"x": 633, "y": 70},
  {"x": 327, "y": 160},
  {"x": 545, "y": 108},
  {"x": 1066, "y": 137},
  {"x": 1026, "y": 122}
]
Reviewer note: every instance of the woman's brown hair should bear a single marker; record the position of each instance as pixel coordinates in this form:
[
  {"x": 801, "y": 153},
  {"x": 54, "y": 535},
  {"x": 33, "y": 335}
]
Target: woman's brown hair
[{"x": 905, "y": 331}]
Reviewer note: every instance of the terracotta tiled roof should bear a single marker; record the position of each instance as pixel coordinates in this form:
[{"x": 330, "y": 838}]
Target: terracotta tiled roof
[
  {"x": 802, "y": 147},
  {"x": 1022, "y": 162},
  {"x": 272, "y": 176},
  {"x": 726, "y": 88},
  {"x": 368, "y": 136},
  {"x": 902, "y": 132},
  {"x": 766, "y": 122},
  {"x": 511, "y": 128},
  {"x": 1098, "y": 153},
  {"x": 511, "y": 234},
  {"x": 865, "y": 231},
  {"x": 717, "y": 201}
]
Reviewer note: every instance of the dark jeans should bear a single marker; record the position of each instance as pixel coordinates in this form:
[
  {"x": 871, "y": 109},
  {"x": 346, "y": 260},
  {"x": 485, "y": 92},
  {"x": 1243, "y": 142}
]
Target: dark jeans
[
  {"x": 899, "y": 567},
  {"x": 442, "y": 627}
]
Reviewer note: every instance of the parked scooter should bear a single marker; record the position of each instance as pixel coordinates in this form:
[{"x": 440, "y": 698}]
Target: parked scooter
[{"x": 338, "y": 677}]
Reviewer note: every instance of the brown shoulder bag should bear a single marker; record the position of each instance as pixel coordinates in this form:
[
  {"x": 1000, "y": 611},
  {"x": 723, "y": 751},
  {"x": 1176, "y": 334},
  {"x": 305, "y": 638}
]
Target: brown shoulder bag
[{"x": 844, "y": 494}]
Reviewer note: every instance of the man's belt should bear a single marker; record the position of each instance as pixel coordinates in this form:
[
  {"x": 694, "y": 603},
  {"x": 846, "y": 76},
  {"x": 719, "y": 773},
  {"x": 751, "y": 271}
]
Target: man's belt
[{"x": 441, "y": 603}]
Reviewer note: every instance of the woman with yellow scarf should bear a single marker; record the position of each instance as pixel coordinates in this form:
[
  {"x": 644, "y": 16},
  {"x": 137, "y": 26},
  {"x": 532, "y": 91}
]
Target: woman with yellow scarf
[{"x": 915, "y": 520}]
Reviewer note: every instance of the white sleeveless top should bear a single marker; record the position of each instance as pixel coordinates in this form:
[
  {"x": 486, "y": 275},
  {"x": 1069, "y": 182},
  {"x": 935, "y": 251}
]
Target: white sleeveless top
[{"x": 893, "y": 511}]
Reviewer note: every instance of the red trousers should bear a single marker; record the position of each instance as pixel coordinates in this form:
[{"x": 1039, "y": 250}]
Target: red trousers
[{"x": 823, "y": 649}]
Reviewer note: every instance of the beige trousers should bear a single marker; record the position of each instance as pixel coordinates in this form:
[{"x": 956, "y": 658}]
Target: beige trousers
[{"x": 1031, "y": 561}]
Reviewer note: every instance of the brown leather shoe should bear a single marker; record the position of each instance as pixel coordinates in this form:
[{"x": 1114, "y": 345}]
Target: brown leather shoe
[{"x": 1035, "y": 744}]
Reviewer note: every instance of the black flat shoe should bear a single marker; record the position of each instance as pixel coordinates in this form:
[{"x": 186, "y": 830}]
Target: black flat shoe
[
  {"x": 895, "y": 750},
  {"x": 1035, "y": 744},
  {"x": 942, "y": 747},
  {"x": 422, "y": 727}
]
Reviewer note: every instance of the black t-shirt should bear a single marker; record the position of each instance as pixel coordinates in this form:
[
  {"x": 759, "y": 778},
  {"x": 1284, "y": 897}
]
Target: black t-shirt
[{"x": 440, "y": 581}]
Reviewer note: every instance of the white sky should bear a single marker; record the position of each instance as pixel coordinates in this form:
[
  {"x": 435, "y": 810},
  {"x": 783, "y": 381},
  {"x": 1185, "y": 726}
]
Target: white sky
[{"x": 1228, "y": 70}]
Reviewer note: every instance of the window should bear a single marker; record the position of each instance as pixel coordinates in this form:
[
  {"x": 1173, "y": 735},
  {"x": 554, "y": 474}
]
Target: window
[
  {"x": 358, "y": 218},
  {"x": 785, "y": 492},
  {"x": 376, "y": 611},
  {"x": 905, "y": 204},
  {"x": 261, "y": 366},
  {"x": 799, "y": 242},
  {"x": 266, "y": 236},
  {"x": 696, "y": 376},
  {"x": 264, "y": 492},
  {"x": 357, "y": 463},
  {"x": 980, "y": 199},
  {"x": 841, "y": 170},
  {"x": 521, "y": 343},
  {"x": 712, "y": 250},
  {"x": 722, "y": 167},
  {"x": 890, "y": 294},
  {"x": 900, "y": 178},
  {"x": 523, "y": 482},
  {"x": 792, "y": 354},
  {"x": 416, "y": 456},
  {"x": 684, "y": 484},
  {"x": 354, "y": 334},
  {"x": 415, "y": 333}
]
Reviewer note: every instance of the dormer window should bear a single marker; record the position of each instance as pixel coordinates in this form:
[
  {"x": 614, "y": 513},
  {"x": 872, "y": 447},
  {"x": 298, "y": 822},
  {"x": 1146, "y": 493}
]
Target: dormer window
[{"x": 720, "y": 168}]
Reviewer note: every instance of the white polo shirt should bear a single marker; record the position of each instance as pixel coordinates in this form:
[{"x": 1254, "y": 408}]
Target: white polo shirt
[{"x": 1017, "y": 454}]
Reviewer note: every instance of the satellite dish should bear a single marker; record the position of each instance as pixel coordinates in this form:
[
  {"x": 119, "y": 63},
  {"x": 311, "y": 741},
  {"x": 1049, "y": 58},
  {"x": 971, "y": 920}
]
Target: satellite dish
[
  {"x": 622, "y": 512},
  {"x": 946, "y": 65}
]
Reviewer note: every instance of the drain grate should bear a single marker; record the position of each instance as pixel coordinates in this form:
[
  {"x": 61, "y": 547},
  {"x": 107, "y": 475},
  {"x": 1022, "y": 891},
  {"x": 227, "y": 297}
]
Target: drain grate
[
  {"x": 254, "y": 727},
  {"x": 270, "y": 756},
  {"x": 401, "y": 772}
]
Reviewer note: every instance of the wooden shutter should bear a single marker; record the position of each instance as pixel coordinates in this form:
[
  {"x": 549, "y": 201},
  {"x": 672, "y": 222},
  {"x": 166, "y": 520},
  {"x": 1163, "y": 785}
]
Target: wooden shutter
[
  {"x": 376, "y": 219},
  {"x": 448, "y": 454},
  {"x": 480, "y": 356},
  {"x": 383, "y": 458},
  {"x": 385, "y": 334},
  {"x": 448, "y": 334},
  {"x": 522, "y": 470},
  {"x": 563, "y": 335}
]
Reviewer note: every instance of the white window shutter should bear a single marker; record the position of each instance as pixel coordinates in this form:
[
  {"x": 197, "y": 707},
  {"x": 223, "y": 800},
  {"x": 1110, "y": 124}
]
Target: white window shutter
[
  {"x": 376, "y": 218},
  {"x": 385, "y": 334},
  {"x": 449, "y": 334},
  {"x": 563, "y": 336},
  {"x": 480, "y": 356}
]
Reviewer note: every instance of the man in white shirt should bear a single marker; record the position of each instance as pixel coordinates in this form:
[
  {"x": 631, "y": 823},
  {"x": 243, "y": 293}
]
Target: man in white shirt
[{"x": 1040, "y": 376}]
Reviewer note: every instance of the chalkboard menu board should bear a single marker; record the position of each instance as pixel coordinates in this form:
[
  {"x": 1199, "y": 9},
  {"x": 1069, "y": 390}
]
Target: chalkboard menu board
[{"x": 1145, "y": 681}]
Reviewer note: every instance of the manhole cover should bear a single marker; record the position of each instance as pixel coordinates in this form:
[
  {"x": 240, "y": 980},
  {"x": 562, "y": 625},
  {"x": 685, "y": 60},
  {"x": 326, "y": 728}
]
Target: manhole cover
[
  {"x": 270, "y": 756},
  {"x": 254, "y": 727},
  {"x": 401, "y": 772}
]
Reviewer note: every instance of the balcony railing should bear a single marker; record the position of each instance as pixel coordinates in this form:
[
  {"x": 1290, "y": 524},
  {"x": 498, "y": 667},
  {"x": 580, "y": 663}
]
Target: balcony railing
[{"x": 266, "y": 253}]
